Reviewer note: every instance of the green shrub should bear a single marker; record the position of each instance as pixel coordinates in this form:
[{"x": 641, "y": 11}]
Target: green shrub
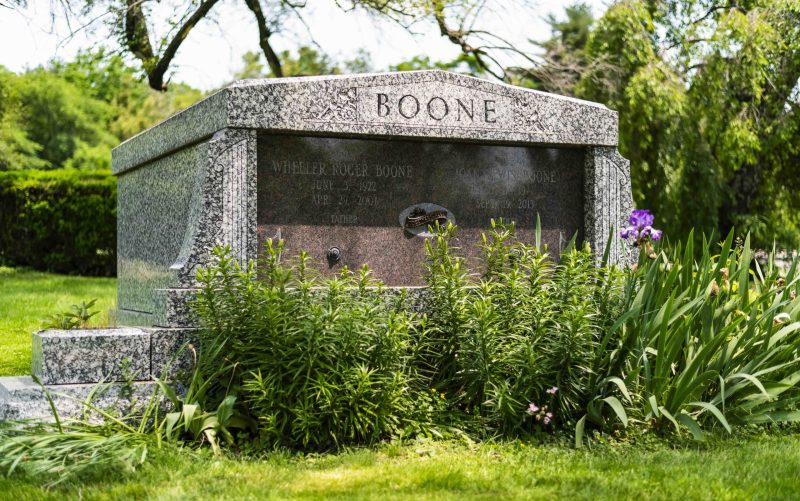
[
  {"x": 62, "y": 221},
  {"x": 513, "y": 345},
  {"x": 700, "y": 344},
  {"x": 522, "y": 345},
  {"x": 312, "y": 369},
  {"x": 519, "y": 344}
]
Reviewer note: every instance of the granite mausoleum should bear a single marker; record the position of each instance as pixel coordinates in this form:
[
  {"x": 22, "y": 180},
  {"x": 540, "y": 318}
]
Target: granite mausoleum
[{"x": 352, "y": 169}]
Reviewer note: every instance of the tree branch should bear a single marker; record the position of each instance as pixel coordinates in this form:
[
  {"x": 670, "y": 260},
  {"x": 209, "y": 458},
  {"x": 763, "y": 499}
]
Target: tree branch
[
  {"x": 263, "y": 37},
  {"x": 156, "y": 78},
  {"x": 137, "y": 38},
  {"x": 481, "y": 53},
  {"x": 459, "y": 38}
]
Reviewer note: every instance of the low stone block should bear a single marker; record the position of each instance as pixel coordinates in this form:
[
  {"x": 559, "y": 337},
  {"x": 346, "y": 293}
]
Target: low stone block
[
  {"x": 91, "y": 355},
  {"x": 22, "y": 398}
]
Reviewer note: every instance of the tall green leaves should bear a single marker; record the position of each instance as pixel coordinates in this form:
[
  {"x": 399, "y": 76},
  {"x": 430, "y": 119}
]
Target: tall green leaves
[
  {"x": 703, "y": 343},
  {"x": 496, "y": 339},
  {"x": 314, "y": 364}
]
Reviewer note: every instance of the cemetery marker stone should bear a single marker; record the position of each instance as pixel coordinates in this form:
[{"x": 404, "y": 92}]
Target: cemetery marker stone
[
  {"x": 350, "y": 168},
  {"x": 353, "y": 169}
]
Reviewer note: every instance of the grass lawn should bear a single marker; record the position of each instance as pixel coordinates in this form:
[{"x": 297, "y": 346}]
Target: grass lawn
[
  {"x": 752, "y": 467},
  {"x": 744, "y": 468},
  {"x": 29, "y": 297}
]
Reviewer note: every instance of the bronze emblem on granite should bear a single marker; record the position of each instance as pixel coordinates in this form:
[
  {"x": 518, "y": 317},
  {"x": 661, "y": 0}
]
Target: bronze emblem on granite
[{"x": 416, "y": 219}]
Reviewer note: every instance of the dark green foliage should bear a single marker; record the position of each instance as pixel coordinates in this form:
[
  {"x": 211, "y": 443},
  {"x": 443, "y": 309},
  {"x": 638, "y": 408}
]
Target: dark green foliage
[
  {"x": 312, "y": 368},
  {"x": 17, "y": 150},
  {"x": 496, "y": 343},
  {"x": 58, "y": 116},
  {"x": 70, "y": 114},
  {"x": 707, "y": 97},
  {"x": 62, "y": 221}
]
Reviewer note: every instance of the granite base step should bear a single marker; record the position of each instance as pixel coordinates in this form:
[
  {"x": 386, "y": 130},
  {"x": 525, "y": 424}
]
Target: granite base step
[
  {"x": 22, "y": 398},
  {"x": 83, "y": 356}
]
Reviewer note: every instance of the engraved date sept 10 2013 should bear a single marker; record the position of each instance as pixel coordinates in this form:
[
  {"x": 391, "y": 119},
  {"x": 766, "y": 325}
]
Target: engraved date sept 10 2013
[{"x": 507, "y": 204}]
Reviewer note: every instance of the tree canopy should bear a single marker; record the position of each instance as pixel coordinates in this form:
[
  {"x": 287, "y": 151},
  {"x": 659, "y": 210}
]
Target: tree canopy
[
  {"x": 70, "y": 114},
  {"x": 137, "y": 25},
  {"x": 707, "y": 92}
]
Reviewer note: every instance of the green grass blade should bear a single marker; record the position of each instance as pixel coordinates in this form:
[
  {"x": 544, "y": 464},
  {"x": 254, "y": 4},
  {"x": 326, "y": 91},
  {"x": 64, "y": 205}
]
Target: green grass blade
[
  {"x": 715, "y": 411},
  {"x": 618, "y": 409},
  {"x": 690, "y": 423},
  {"x": 579, "y": 427}
]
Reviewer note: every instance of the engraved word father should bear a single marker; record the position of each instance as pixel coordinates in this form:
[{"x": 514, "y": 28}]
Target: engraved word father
[{"x": 409, "y": 106}]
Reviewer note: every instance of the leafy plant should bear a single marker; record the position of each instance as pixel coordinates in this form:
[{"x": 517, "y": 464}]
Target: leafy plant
[
  {"x": 523, "y": 344},
  {"x": 189, "y": 421},
  {"x": 100, "y": 441},
  {"x": 53, "y": 455},
  {"x": 708, "y": 343},
  {"x": 59, "y": 451},
  {"x": 312, "y": 368},
  {"x": 77, "y": 317},
  {"x": 520, "y": 335}
]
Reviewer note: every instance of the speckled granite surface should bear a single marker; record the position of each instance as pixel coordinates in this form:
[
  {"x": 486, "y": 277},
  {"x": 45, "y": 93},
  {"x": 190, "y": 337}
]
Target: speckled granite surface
[
  {"x": 174, "y": 351},
  {"x": 196, "y": 123},
  {"x": 608, "y": 202},
  {"x": 172, "y": 308},
  {"x": 191, "y": 182},
  {"x": 130, "y": 318},
  {"x": 158, "y": 207},
  {"x": 435, "y": 104},
  {"x": 22, "y": 398},
  {"x": 173, "y": 211},
  {"x": 91, "y": 355}
]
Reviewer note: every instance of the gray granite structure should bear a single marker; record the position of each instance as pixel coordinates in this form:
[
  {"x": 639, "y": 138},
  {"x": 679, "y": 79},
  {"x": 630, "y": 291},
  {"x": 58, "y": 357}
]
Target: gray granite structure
[
  {"x": 115, "y": 367},
  {"x": 350, "y": 168},
  {"x": 340, "y": 163}
]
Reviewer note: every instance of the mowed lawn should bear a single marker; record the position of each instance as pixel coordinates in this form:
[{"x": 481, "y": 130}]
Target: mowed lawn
[
  {"x": 765, "y": 468},
  {"x": 27, "y": 298},
  {"x": 757, "y": 466}
]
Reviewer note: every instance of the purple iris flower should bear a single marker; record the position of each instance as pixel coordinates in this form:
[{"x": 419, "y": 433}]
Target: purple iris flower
[
  {"x": 628, "y": 232},
  {"x": 641, "y": 217},
  {"x": 641, "y": 227}
]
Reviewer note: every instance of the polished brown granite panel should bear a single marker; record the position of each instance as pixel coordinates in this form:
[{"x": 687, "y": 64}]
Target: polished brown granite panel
[{"x": 356, "y": 194}]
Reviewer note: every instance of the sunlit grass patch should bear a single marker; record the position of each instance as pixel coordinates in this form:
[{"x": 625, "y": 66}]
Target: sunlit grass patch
[
  {"x": 27, "y": 298},
  {"x": 761, "y": 467}
]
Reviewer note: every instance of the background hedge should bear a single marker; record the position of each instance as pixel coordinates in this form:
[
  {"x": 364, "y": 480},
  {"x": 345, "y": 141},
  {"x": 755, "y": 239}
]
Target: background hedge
[{"x": 59, "y": 220}]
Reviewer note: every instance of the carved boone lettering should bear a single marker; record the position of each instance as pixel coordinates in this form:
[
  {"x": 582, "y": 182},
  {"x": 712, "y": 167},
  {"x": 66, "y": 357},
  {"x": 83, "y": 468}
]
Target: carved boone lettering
[{"x": 437, "y": 108}]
